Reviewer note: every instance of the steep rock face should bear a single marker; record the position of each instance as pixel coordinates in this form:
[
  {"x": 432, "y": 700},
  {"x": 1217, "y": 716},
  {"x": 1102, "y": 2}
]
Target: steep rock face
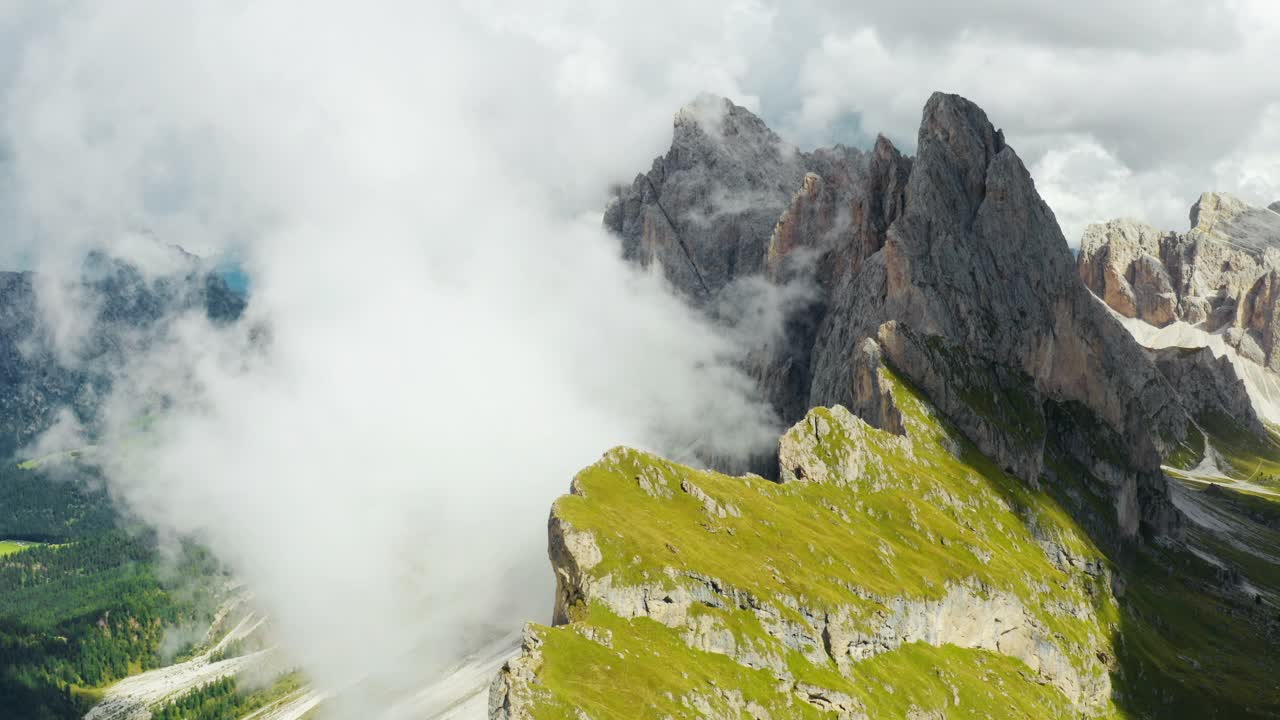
[
  {"x": 996, "y": 406},
  {"x": 791, "y": 600},
  {"x": 978, "y": 260},
  {"x": 1209, "y": 385},
  {"x": 40, "y": 374},
  {"x": 730, "y": 200},
  {"x": 704, "y": 213},
  {"x": 873, "y": 401},
  {"x": 1218, "y": 276},
  {"x": 954, "y": 244}
]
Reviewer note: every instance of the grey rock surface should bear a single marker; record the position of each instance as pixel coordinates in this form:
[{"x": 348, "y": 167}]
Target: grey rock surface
[
  {"x": 955, "y": 243},
  {"x": 996, "y": 406},
  {"x": 704, "y": 212},
  {"x": 730, "y": 200},
  {"x": 1218, "y": 275},
  {"x": 1209, "y": 385},
  {"x": 872, "y": 400}
]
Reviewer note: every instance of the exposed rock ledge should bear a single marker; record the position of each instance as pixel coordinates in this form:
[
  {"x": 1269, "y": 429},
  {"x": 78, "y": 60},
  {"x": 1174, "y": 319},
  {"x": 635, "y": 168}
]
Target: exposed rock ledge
[
  {"x": 1219, "y": 276},
  {"x": 966, "y": 613},
  {"x": 969, "y": 615}
]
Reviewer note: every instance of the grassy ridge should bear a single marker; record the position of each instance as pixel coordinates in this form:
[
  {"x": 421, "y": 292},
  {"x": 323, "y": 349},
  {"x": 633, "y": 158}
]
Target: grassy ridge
[
  {"x": 646, "y": 670},
  {"x": 895, "y": 519},
  {"x": 899, "y": 519}
]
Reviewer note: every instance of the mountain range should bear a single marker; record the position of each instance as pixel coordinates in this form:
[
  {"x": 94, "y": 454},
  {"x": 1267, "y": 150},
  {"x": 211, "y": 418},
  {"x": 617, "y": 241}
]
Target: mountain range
[
  {"x": 42, "y": 374},
  {"x": 1016, "y": 480},
  {"x": 1000, "y": 496}
]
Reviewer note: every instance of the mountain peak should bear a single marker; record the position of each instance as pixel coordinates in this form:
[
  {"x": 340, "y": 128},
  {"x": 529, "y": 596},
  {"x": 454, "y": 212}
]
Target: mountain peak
[
  {"x": 948, "y": 117},
  {"x": 1213, "y": 207},
  {"x": 955, "y": 146},
  {"x": 954, "y": 248},
  {"x": 719, "y": 119},
  {"x": 1216, "y": 277},
  {"x": 1226, "y": 218}
]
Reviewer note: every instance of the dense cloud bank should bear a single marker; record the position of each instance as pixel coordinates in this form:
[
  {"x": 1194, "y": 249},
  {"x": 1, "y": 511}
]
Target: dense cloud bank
[{"x": 443, "y": 332}]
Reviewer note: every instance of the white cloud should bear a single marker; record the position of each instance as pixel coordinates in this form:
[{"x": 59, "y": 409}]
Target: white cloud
[
  {"x": 1084, "y": 184},
  {"x": 1253, "y": 169},
  {"x": 450, "y": 338}
]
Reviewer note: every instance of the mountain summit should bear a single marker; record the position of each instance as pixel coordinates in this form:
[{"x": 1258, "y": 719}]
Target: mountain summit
[
  {"x": 1219, "y": 276},
  {"x": 973, "y": 514},
  {"x": 952, "y": 249}
]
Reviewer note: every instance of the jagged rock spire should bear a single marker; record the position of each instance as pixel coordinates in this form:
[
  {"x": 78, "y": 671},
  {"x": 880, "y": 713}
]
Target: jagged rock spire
[{"x": 955, "y": 245}]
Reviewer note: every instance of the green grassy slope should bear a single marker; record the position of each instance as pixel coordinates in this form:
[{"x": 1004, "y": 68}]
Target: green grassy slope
[
  {"x": 879, "y": 522},
  {"x": 9, "y": 547}
]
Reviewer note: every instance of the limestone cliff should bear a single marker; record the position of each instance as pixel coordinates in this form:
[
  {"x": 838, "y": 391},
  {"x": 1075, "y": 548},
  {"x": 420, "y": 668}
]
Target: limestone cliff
[
  {"x": 877, "y": 550},
  {"x": 1218, "y": 276},
  {"x": 889, "y": 574},
  {"x": 954, "y": 244}
]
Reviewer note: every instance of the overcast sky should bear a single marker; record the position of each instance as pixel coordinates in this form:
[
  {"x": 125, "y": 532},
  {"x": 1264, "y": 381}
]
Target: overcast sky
[
  {"x": 1119, "y": 108},
  {"x": 1129, "y": 108},
  {"x": 415, "y": 189}
]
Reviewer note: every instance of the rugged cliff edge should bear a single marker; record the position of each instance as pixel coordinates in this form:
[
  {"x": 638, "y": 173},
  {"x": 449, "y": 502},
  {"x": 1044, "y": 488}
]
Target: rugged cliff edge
[
  {"x": 954, "y": 247},
  {"x": 971, "y": 521},
  {"x": 891, "y": 573},
  {"x": 1205, "y": 303},
  {"x": 878, "y": 552}
]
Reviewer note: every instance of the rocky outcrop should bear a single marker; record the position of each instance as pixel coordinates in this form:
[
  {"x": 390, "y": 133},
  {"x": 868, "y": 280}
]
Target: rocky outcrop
[
  {"x": 730, "y": 200},
  {"x": 977, "y": 260},
  {"x": 1218, "y": 276},
  {"x": 995, "y": 406},
  {"x": 783, "y": 626},
  {"x": 703, "y": 214},
  {"x": 954, "y": 244},
  {"x": 1209, "y": 385},
  {"x": 967, "y": 615},
  {"x": 872, "y": 400}
]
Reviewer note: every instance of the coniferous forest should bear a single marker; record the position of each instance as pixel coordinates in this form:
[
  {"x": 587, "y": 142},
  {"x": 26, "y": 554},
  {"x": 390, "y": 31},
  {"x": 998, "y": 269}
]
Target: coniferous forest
[{"x": 88, "y": 606}]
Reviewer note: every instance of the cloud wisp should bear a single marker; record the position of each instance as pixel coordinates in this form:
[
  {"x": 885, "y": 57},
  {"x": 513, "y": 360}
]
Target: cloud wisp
[
  {"x": 440, "y": 334},
  {"x": 415, "y": 191}
]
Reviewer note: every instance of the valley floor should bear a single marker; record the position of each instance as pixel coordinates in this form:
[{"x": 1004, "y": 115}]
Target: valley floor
[{"x": 133, "y": 697}]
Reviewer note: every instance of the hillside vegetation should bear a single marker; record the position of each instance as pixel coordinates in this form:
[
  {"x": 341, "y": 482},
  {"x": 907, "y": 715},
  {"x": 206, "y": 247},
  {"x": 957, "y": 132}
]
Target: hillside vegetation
[
  {"x": 92, "y": 607},
  {"x": 887, "y": 576}
]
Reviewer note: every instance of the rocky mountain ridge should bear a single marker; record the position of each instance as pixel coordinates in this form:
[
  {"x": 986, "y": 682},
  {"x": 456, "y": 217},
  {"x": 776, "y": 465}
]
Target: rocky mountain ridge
[
  {"x": 954, "y": 244},
  {"x": 890, "y": 573},
  {"x": 1219, "y": 276},
  {"x": 970, "y": 516},
  {"x": 814, "y": 640}
]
